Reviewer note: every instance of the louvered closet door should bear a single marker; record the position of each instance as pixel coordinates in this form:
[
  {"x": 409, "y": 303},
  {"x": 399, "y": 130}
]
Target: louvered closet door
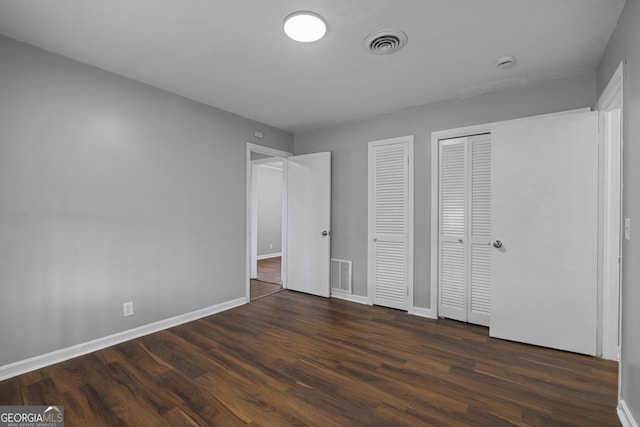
[
  {"x": 452, "y": 233},
  {"x": 465, "y": 229},
  {"x": 479, "y": 294},
  {"x": 389, "y": 228}
]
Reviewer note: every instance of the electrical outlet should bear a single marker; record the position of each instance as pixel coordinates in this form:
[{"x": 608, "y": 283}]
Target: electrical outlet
[
  {"x": 127, "y": 309},
  {"x": 270, "y": 245}
]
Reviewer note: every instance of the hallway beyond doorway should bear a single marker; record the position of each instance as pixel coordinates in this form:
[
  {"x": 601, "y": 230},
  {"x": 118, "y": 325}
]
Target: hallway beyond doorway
[
  {"x": 268, "y": 280},
  {"x": 269, "y": 270}
]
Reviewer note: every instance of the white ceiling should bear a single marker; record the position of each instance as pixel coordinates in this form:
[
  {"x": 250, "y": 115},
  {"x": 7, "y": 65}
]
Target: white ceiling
[{"x": 233, "y": 54}]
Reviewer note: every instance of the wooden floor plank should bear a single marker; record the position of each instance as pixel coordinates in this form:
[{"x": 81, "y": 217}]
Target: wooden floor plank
[
  {"x": 269, "y": 270},
  {"x": 260, "y": 289},
  {"x": 295, "y": 359}
]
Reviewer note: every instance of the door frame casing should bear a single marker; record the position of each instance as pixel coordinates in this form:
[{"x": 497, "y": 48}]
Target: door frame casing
[
  {"x": 409, "y": 140},
  {"x": 255, "y": 148},
  {"x": 610, "y": 104}
]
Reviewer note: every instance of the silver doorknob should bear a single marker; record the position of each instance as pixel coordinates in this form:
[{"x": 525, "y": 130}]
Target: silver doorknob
[
  {"x": 497, "y": 244},
  {"x": 325, "y": 233}
]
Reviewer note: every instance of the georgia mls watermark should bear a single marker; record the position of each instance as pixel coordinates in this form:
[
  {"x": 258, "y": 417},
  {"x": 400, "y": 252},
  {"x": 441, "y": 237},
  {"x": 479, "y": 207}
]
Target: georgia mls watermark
[{"x": 31, "y": 416}]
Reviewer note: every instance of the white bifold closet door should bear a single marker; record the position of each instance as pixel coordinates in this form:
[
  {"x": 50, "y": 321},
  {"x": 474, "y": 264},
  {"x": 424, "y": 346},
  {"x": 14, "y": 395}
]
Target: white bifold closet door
[
  {"x": 465, "y": 229},
  {"x": 391, "y": 223}
]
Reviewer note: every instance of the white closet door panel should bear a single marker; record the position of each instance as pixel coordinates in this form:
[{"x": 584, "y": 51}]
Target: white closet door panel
[
  {"x": 452, "y": 187},
  {"x": 479, "y": 249},
  {"x": 453, "y": 281},
  {"x": 390, "y": 273},
  {"x": 390, "y": 183},
  {"x": 453, "y": 225},
  {"x": 481, "y": 187},
  {"x": 390, "y": 204},
  {"x": 479, "y": 303}
]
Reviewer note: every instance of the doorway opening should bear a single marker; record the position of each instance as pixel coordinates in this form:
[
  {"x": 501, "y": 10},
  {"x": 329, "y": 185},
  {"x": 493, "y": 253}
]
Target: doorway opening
[
  {"x": 266, "y": 221},
  {"x": 306, "y": 217},
  {"x": 266, "y": 224}
]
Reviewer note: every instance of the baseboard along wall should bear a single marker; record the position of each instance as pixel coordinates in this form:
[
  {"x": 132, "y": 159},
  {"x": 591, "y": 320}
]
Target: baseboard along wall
[
  {"x": 37, "y": 362},
  {"x": 337, "y": 293},
  {"x": 624, "y": 414},
  {"x": 267, "y": 256}
]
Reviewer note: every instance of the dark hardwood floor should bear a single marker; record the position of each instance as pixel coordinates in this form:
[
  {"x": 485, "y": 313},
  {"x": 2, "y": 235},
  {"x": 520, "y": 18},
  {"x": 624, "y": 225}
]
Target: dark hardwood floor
[
  {"x": 294, "y": 359},
  {"x": 269, "y": 270},
  {"x": 268, "y": 280},
  {"x": 260, "y": 289}
]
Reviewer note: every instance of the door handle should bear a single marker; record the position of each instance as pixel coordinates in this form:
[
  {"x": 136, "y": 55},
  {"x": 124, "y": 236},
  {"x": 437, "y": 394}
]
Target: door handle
[
  {"x": 497, "y": 244},
  {"x": 325, "y": 233}
]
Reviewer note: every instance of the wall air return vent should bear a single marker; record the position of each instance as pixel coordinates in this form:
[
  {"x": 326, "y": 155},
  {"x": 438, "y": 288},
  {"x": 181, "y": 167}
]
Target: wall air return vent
[
  {"x": 385, "y": 42},
  {"x": 341, "y": 275}
]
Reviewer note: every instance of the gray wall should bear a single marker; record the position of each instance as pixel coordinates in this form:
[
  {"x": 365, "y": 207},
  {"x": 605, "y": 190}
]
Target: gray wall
[
  {"x": 269, "y": 210},
  {"x": 625, "y": 45},
  {"x": 111, "y": 191},
  {"x": 348, "y": 143}
]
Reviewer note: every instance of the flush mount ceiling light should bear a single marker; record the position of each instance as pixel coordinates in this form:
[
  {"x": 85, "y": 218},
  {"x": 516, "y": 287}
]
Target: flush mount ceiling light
[{"x": 304, "y": 26}]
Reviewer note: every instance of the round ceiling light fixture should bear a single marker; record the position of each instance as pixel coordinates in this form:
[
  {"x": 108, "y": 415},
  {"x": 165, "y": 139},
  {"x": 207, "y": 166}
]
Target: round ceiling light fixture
[{"x": 304, "y": 26}]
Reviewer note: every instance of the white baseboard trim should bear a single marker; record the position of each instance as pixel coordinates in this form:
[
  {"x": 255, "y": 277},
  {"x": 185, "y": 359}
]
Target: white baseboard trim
[
  {"x": 37, "y": 362},
  {"x": 423, "y": 312},
  {"x": 267, "y": 256},
  {"x": 626, "y": 419},
  {"x": 335, "y": 293}
]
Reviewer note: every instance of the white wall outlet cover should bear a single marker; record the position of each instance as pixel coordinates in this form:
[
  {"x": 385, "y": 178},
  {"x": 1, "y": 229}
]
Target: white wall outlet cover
[
  {"x": 127, "y": 309},
  {"x": 627, "y": 228}
]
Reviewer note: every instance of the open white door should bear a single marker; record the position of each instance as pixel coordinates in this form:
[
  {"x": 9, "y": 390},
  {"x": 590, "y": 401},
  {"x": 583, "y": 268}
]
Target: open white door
[
  {"x": 309, "y": 219},
  {"x": 544, "y": 220}
]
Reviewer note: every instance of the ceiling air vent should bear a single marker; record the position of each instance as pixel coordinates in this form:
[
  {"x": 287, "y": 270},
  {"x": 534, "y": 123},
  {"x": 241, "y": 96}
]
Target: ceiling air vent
[{"x": 385, "y": 42}]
